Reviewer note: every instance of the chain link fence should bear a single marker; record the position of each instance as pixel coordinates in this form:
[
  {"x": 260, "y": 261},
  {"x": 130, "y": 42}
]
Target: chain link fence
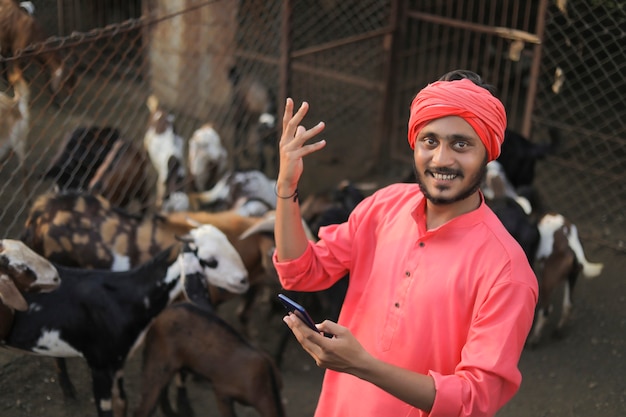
[
  {"x": 357, "y": 62},
  {"x": 582, "y": 91}
]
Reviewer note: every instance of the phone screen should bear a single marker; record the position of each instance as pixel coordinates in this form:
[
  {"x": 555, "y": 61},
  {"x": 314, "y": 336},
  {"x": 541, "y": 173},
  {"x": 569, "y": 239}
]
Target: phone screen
[{"x": 298, "y": 310}]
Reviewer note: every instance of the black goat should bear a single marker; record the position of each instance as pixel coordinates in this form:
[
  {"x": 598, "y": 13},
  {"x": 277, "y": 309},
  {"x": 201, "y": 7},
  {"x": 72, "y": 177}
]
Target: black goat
[
  {"x": 519, "y": 155},
  {"x": 102, "y": 315},
  {"x": 80, "y": 155}
]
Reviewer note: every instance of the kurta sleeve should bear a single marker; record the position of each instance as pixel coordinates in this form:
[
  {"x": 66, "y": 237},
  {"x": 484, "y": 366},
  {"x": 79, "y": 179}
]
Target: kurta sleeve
[{"x": 488, "y": 375}]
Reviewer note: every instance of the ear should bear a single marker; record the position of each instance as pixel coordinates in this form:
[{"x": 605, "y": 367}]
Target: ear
[
  {"x": 152, "y": 103},
  {"x": 10, "y": 295}
]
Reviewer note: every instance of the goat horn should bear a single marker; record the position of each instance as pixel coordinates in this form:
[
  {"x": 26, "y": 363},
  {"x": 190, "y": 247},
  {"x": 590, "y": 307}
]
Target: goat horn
[
  {"x": 266, "y": 224},
  {"x": 192, "y": 222},
  {"x": 184, "y": 239}
]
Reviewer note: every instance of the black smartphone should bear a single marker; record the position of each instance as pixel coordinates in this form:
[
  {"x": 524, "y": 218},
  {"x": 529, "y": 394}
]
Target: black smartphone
[{"x": 298, "y": 310}]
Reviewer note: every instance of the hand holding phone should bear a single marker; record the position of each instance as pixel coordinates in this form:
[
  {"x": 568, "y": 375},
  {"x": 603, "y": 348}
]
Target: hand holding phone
[{"x": 298, "y": 310}]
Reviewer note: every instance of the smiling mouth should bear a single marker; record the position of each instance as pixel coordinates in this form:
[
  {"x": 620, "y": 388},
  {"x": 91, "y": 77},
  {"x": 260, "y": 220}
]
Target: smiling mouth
[{"x": 443, "y": 177}]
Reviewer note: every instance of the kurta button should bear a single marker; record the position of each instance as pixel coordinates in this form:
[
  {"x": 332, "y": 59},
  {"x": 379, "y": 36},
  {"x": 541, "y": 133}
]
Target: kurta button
[
  {"x": 407, "y": 273},
  {"x": 421, "y": 244},
  {"x": 397, "y": 305}
]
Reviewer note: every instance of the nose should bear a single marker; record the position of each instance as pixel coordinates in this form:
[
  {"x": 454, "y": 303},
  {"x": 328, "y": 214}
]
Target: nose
[{"x": 442, "y": 155}]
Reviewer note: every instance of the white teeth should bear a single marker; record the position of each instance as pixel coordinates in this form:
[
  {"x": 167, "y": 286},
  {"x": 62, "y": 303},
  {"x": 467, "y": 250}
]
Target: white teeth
[{"x": 443, "y": 176}]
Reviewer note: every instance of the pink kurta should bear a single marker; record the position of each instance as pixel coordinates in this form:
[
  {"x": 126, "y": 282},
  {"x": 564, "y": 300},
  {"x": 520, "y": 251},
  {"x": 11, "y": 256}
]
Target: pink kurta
[{"x": 455, "y": 302}]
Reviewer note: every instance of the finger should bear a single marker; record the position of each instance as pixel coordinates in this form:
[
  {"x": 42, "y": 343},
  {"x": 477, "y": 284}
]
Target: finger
[
  {"x": 292, "y": 121},
  {"x": 330, "y": 328},
  {"x": 304, "y": 135},
  {"x": 288, "y": 112}
]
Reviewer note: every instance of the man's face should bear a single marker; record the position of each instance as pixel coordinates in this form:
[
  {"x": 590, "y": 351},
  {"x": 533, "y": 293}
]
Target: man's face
[{"x": 450, "y": 160}]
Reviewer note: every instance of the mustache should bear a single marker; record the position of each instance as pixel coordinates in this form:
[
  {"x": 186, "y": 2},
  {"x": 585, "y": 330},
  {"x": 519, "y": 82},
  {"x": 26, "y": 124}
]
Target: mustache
[{"x": 444, "y": 171}]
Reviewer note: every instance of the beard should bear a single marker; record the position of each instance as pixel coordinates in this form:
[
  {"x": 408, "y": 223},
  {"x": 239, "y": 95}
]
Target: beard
[{"x": 475, "y": 182}]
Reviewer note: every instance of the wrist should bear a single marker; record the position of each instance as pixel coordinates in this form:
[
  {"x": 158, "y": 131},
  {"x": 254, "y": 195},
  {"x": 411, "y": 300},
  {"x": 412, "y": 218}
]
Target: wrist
[
  {"x": 284, "y": 187},
  {"x": 286, "y": 192}
]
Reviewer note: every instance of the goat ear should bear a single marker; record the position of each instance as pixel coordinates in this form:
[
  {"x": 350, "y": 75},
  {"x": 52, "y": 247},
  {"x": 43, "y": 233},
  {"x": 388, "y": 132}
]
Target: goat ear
[
  {"x": 152, "y": 103},
  {"x": 10, "y": 295}
]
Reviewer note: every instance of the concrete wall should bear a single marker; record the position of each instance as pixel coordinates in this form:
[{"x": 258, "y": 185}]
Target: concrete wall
[{"x": 189, "y": 55}]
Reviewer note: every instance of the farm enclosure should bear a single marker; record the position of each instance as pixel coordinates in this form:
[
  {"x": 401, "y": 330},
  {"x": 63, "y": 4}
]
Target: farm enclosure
[{"x": 358, "y": 63}]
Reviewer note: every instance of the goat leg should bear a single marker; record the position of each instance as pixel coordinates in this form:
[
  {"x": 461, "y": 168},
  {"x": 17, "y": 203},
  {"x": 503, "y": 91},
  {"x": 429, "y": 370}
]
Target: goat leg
[
  {"x": 102, "y": 386},
  {"x": 120, "y": 403},
  {"x": 183, "y": 405},
  {"x": 182, "y": 399},
  {"x": 64, "y": 379},
  {"x": 568, "y": 304},
  {"x": 225, "y": 404}
]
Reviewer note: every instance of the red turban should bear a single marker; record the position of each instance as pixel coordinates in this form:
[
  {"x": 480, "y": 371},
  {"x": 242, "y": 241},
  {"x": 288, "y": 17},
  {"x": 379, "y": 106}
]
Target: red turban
[{"x": 484, "y": 112}]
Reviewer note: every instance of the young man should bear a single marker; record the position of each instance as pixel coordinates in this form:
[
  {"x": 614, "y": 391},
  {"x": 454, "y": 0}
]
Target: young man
[{"x": 440, "y": 297}]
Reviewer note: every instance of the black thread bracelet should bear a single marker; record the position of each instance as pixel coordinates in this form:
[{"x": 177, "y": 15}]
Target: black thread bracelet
[{"x": 294, "y": 195}]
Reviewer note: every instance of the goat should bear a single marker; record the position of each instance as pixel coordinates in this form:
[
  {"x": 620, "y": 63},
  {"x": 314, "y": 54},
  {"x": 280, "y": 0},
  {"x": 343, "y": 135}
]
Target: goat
[
  {"x": 254, "y": 240},
  {"x": 99, "y": 160},
  {"x": 18, "y": 30},
  {"x": 14, "y": 123},
  {"x": 165, "y": 149},
  {"x": 122, "y": 177},
  {"x": 21, "y": 270},
  {"x": 518, "y": 156},
  {"x": 514, "y": 211},
  {"x": 207, "y": 157},
  {"x": 84, "y": 231},
  {"x": 102, "y": 315},
  {"x": 83, "y": 150},
  {"x": 560, "y": 259},
  {"x": 255, "y": 111},
  {"x": 496, "y": 173},
  {"x": 251, "y": 192},
  {"x": 186, "y": 337}
]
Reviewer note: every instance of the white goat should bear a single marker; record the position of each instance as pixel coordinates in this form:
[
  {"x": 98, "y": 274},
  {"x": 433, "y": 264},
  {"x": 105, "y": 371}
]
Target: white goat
[
  {"x": 207, "y": 158},
  {"x": 251, "y": 193},
  {"x": 165, "y": 148}
]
